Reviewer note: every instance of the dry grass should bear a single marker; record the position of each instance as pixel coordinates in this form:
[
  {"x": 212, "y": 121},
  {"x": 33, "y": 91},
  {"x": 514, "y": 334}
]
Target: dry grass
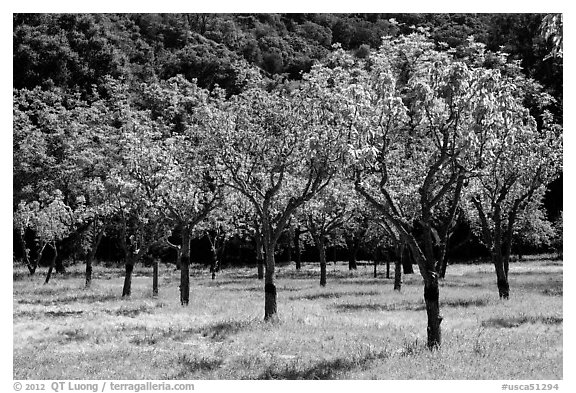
[{"x": 355, "y": 328}]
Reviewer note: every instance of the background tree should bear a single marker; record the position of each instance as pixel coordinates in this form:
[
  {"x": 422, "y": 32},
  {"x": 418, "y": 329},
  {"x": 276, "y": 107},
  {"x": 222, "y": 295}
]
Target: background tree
[
  {"x": 423, "y": 109},
  {"x": 523, "y": 160},
  {"x": 324, "y": 216},
  {"x": 277, "y": 150},
  {"x": 172, "y": 161}
]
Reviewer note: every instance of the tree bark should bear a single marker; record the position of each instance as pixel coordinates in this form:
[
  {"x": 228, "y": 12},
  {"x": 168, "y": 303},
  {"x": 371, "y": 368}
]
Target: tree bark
[
  {"x": 499, "y": 264},
  {"x": 31, "y": 268},
  {"x": 289, "y": 252},
  {"x": 52, "y": 263},
  {"x": 406, "y": 256},
  {"x": 322, "y": 252},
  {"x": 270, "y": 306},
  {"x": 297, "y": 249},
  {"x": 155, "y": 277},
  {"x": 352, "y": 253},
  {"x": 214, "y": 262},
  {"x": 91, "y": 257},
  {"x": 259, "y": 257},
  {"x": 127, "y": 289},
  {"x": 269, "y": 243},
  {"x": 334, "y": 257},
  {"x": 88, "y": 282},
  {"x": 185, "y": 267},
  {"x": 59, "y": 266},
  {"x": 397, "y": 275},
  {"x": 37, "y": 261},
  {"x": 501, "y": 279},
  {"x": 443, "y": 259},
  {"x": 432, "y": 299}
]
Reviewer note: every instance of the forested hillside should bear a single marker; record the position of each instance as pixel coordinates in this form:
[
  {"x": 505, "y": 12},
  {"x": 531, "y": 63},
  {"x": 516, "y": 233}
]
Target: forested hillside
[{"x": 76, "y": 51}]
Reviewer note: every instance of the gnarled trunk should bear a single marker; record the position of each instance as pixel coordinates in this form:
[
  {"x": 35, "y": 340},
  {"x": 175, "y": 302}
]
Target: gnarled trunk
[
  {"x": 31, "y": 268},
  {"x": 259, "y": 257},
  {"x": 270, "y": 306},
  {"x": 443, "y": 259},
  {"x": 185, "y": 267},
  {"x": 52, "y": 263},
  {"x": 406, "y": 257},
  {"x": 59, "y": 266},
  {"x": 427, "y": 267},
  {"x": 127, "y": 288},
  {"x": 500, "y": 264},
  {"x": 91, "y": 257},
  {"x": 501, "y": 279},
  {"x": 432, "y": 299},
  {"x": 155, "y": 277},
  {"x": 352, "y": 253},
  {"x": 269, "y": 243},
  {"x": 214, "y": 263},
  {"x": 322, "y": 253},
  {"x": 397, "y": 275},
  {"x": 297, "y": 250}
]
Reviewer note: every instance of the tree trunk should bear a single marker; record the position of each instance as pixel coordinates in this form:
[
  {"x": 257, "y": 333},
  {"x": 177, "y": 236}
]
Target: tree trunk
[
  {"x": 501, "y": 278},
  {"x": 52, "y": 263},
  {"x": 334, "y": 257},
  {"x": 352, "y": 253},
  {"x": 406, "y": 256},
  {"x": 155, "y": 277},
  {"x": 31, "y": 268},
  {"x": 443, "y": 259},
  {"x": 270, "y": 306},
  {"x": 427, "y": 268},
  {"x": 37, "y": 261},
  {"x": 289, "y": 252},
  {"x": 127, "y": 289},
  {"x": 185, "y": 267},
  {"x": 297, "y": 249},
  {"x": 322, "y": 252},
  {"x": 88, "y": 273},
  {"x": 91, "y": 257},
  {"x": 59, "y": 266},
  {"x": 387, "y": 268},
  {"x": 214, "y": 263},
  {"x": 432, "y": 299},
  {"x": 178, "y": 259},
  {"x": 397, "y": 275},
  {"x": 500, "y": 264},
  {"x": 259, "y": 257}
]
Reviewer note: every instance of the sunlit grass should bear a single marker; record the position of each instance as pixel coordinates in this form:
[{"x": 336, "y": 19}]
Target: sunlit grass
[{"x": 356, "y": 327}]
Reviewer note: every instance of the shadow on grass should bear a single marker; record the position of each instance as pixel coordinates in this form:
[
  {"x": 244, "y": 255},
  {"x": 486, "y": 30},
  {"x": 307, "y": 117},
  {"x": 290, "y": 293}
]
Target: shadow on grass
[
  {"x": 190, "y": 364},
  {"x": 261, "y": 289},
  {"x": 70, "y": 335},
  {"x": 512, "y": 322},
  {"x": 409, "y": 306},
  {"x": 333, "y": 276},
  {"x": 222, "y": 330},
  {"x": 324, "y": 369},
  {"x": 218, "y": 283},
  {"x": 456, "y": 284},
  {"x": 549, "y": 286},
  {"x": 82, "y": 298},
  {"x": 333, "y": 295},
  {"x": 361, "y": 281},
  {"x": 553, "y": 291},
  {"x": 63, "y": 313},
  {"x": 180, "y": 335},
  {"x": 127, "y": 311}
]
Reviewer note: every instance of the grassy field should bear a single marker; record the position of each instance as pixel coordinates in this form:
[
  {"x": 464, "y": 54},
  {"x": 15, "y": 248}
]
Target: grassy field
[{"x": 356, "y": 327}]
